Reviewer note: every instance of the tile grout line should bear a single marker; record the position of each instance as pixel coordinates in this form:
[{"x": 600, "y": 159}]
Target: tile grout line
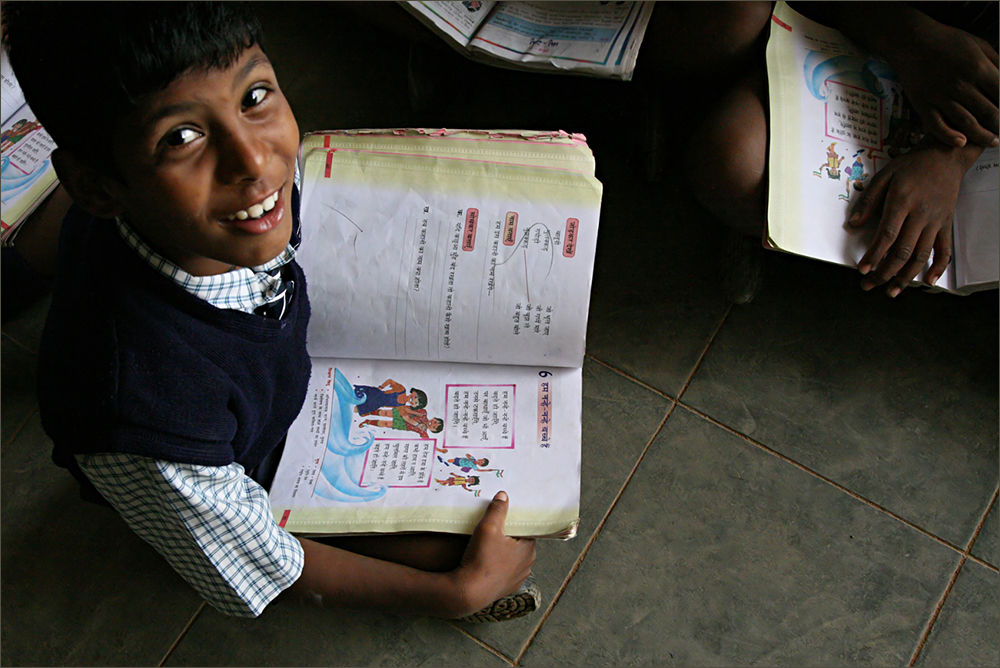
[
  {"x": 21, "y": 426},
  {"x": 482, "y": 643},
  {"x": 691, "y": 375},
  {"x": 937, "y": 611},
  {"x": 19, "y": 344},
  {"x": 593, "y": 538},
  {"x": 954, "y": 578},
  {"x": 630, "y": 378},
  {"x": 183, "y": 633},
  {"x": 704, "y": 353},
  {"x": 820, "y": 476},
  {"x": 597, "y": 531}
]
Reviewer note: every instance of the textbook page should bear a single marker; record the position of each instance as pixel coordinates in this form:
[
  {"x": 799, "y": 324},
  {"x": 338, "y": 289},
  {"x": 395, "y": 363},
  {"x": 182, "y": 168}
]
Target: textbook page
[
  {"x": 423, "y": 257},
  {"x": 556, "y": 149},
  {"x": 457, "y": 20},
  {"x": 977, "y": 244},
  {"x": 837, "y": 116},
  {"x": 12, "y": 97},
  {"x": 515, "y": 429},
  {"x": 596, "y": 38},
  {"x": 26, "y": 172}
]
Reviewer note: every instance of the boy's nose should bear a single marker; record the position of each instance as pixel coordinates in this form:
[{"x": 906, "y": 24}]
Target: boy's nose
[{"x": 243, "y": 156}]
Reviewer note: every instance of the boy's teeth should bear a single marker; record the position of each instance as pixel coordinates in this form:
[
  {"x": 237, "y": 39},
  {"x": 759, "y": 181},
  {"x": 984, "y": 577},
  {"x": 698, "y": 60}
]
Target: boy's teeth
[{"x": 257, "y": 210}]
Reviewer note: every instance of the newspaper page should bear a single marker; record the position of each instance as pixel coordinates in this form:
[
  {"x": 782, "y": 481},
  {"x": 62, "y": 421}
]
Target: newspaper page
[
  {"x": 457, "y": 20},
  {"x": 410, "y": 446},
  {"x": 588, "y": 37},
  {"x": 455, "y": 257},
  {"x": 837, "y": 116}
]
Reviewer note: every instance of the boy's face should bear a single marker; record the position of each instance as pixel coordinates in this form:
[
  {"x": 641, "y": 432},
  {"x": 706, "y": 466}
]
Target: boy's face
[{"x": 213, "y": 147}]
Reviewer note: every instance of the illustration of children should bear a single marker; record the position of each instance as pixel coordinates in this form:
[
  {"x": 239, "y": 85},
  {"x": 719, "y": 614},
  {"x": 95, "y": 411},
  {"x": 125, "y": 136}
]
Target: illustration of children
[
  {"x": 832, "y": 164},
  {"x": 16, "y": 133},
  {"x": 460, "y": 481},
  {"x": 389, "y": 394},
  {"x": 467, "y": 463},
  {"x": 405, "y": 418},
  {"x": 856, "y": 174}
]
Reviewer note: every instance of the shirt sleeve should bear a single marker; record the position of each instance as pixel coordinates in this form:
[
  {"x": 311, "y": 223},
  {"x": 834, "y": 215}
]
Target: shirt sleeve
[{"x": 212, "y": 524}]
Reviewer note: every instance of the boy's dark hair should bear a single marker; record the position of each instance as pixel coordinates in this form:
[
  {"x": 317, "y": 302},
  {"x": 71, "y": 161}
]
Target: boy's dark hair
[
  {"x": 421, "y": 397},
  {"x": 440, "y": 426},
  {"x": 82, "y": 65}
]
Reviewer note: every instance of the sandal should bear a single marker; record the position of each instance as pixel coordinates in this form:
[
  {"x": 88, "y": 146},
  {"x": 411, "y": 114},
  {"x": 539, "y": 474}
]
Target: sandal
[{"x": 525, "y": 600}]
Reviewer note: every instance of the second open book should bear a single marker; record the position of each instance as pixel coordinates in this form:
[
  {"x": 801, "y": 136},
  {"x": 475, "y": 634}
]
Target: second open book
[
  {"x": 449, "y": 275},
  {"x": 837, "y": 116}
]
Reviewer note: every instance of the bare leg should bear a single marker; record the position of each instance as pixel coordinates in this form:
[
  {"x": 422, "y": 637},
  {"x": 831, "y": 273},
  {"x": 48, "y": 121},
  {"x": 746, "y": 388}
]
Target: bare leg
[
  {"x": 726, "y": 159},
  {"x": 711, "y": 41}
]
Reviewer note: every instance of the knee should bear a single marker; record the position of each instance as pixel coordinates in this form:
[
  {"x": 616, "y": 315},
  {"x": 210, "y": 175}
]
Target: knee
[{"x": 726, "y": 157}]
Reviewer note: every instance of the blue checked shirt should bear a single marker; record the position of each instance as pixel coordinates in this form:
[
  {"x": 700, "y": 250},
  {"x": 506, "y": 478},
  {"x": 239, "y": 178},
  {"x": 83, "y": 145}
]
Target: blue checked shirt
[{"x": 212, "y": 524}]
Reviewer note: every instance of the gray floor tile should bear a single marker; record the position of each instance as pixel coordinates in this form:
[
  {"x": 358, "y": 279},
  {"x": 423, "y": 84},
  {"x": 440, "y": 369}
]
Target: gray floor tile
[
  {"x": 721, "y": 554},
  {"x": 26, "y": 327},
  {"x": 78, "y": 587},
  {"x": 967, "y": 632},
  {"x": 619, "y": 419},
  {"x": 17, "y": 386},
  {"x": 291, "y": 635},
  {"x": 986, "y": 546},
  {"x": 655, "y": 301},
  {"x": 895, "y": 399}
]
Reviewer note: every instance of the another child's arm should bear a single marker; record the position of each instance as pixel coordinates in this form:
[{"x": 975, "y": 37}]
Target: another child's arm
[
  {"x": 950, "y": 77},
  {"x": 913, "y": 199},
  {"x": 493, "y": 566},
  {"x": 391, "y": 386}
]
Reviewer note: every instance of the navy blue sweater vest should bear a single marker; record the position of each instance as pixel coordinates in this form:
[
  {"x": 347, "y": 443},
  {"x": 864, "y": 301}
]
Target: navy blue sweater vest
[{"x": 131, "y": 362}]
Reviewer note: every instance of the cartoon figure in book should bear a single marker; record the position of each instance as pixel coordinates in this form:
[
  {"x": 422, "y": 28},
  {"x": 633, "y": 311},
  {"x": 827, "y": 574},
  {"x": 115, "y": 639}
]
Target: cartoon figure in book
[
  {"x": 832, "y": 164},
  {"x": 856, "y": 174},
  {"x": 389, "y": 394},
  {"x": 16, "y": 133},
  {"x": 465, "y": 482},
  {"x": 404, "y": 418},
  {"x": 467, "y": 463}
]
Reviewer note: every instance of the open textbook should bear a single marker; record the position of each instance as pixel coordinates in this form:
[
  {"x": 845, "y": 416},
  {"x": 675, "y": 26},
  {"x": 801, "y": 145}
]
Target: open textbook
[
  {"x": 839, "y": 115},
  {"x": 26, "y": 171},
  {"x": 592, "y": 38},
  {"x": 449, "y": 277}
]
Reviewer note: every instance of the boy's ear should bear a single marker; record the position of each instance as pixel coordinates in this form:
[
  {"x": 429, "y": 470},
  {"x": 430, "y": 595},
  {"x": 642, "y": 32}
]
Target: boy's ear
[{"x": 91, "y": 190}]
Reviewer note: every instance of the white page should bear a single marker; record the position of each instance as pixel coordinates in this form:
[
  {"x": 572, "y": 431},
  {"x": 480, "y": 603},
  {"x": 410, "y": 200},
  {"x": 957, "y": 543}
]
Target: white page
[
  {"x": 458, "y": 20},
  {"x": 10, "y": 91},
  {"x": 412, "y": 257},
  {"x": 596, "y": 37},
  {"x": 977, "y": 244},
  {"x": 337, "y": 476}
]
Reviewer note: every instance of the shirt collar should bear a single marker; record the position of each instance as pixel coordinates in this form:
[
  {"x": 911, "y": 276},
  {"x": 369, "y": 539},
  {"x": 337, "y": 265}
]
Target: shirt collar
[{"x": 242, "y": 289}]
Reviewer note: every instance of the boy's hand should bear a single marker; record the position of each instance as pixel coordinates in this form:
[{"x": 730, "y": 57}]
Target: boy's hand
[
  {"x": 952, "y": 80},
  {"x": 916, "y": 194},
  {"x": 494, "y": 564}
]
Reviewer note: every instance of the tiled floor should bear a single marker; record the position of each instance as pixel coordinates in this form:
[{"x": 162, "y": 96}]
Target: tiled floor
[{"x": 807, "y": 480}]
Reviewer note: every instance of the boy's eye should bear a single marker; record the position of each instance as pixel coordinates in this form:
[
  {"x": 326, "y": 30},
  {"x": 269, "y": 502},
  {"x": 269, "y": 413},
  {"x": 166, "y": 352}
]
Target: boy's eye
[
  {"x": 181, "y": 136},
  {"x": 254, "y": 97}
]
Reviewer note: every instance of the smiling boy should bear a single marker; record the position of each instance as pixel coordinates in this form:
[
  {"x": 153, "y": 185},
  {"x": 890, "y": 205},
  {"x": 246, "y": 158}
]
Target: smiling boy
[{"x": 173, "y": 359}]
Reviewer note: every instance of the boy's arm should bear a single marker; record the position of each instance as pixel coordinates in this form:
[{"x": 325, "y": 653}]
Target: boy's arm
[
  {"x": 391, "y": 386},
  {"x": 950, "y": 77},
  {"x": 493, "y": 566}
]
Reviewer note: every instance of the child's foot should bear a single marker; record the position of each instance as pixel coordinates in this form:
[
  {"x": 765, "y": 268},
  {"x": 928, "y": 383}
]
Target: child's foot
[{"x": 524, "y": 601}]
